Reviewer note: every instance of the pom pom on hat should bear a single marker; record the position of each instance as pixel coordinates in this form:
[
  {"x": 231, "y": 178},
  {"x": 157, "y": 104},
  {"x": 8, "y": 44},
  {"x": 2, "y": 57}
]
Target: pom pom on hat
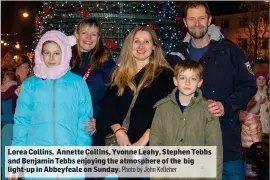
[
  {"x": 72, "y": 39},
  {"x": 264, "y": 74}
]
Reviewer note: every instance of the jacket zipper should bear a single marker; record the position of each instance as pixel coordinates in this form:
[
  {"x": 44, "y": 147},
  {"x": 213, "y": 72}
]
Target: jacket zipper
[{"x": 53, "y": 116}]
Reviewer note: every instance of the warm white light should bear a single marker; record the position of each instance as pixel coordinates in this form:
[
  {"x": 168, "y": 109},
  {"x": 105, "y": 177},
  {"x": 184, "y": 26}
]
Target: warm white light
[
  {"x": 15, "y": 57},
  {"x": 2, "y": 41},
  {"x": 5, "y": 44},
  {"x": 25, "y": 15},
  {"x": 17, "y": 46}
]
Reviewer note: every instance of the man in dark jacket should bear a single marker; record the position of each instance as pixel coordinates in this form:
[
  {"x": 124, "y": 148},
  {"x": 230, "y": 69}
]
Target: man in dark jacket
[{"x": 228, "y": 81}]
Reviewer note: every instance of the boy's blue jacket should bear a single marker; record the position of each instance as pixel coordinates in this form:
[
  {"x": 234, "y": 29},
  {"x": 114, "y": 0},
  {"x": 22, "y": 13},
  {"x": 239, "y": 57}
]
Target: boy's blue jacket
[{"x": 54, "y": 104}]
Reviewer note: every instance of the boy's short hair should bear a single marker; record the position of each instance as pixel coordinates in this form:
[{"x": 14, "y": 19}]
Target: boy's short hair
[
  {"x": 189, "y": 64},
  {"x": 10, "y": 74}
]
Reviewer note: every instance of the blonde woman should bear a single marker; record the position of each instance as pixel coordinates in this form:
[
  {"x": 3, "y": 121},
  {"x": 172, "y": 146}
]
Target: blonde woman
[
  {"x": 142, "y": 68},
  {"x": 91, "y": 60}
]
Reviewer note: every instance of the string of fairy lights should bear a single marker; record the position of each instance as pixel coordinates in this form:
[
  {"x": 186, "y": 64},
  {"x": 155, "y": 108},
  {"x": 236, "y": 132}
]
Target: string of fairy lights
[
  {"x": 116, "y": 19},
  {"x": 7, "y": 44},
  {"x": 10, "y": 44}
]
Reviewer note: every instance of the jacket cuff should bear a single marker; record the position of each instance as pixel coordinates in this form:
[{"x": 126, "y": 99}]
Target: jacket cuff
[{"x": 228, "y": 110}]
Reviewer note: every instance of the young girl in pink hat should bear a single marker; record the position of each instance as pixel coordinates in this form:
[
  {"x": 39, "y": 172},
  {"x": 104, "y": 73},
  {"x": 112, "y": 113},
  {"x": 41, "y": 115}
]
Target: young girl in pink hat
[{"x": 54, "y": 104}]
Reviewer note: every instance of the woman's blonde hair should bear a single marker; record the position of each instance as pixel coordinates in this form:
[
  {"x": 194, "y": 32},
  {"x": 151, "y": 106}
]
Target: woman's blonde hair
[
  {"x": 123, "y": 76},
  {"x": 100, "y": 54}
]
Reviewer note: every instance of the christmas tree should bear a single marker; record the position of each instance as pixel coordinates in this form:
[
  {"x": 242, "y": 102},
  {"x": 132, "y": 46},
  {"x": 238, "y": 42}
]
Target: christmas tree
[{"x": 116, "y": 20}]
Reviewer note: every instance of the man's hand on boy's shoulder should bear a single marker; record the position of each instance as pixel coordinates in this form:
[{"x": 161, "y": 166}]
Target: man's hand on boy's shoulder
[{"x": 216, "y": 108}]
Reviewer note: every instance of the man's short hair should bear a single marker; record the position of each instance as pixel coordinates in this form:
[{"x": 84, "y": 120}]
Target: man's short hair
[
  {"x": 195, "y": 4},
  {"x": 189, "y": 64}
]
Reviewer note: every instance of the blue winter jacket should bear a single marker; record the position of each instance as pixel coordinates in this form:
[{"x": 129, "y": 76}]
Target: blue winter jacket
[
  {"x": 54, "y": 104},
  {"x": 52, "y": 112}
]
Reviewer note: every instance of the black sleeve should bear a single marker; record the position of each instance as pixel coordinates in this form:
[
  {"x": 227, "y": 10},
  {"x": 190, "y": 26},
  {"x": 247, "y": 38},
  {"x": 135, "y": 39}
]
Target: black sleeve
[
  {"x": 108, "y": 114},
  {"x": 165, "y": 88},
  {"x": 167, "y": 85},
  {"x": 245, "y": 84}
]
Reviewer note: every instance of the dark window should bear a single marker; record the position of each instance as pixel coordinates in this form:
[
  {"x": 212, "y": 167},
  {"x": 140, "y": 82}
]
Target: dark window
[
  {"x": 243, "y": 22},
  {"x": 213, "y": 20},
  {"x": 243, "y": 43},
  {"x": 266, "y": 19},
  {"x": 265, "y": 43},
  {"x": 225, "y": 23}
]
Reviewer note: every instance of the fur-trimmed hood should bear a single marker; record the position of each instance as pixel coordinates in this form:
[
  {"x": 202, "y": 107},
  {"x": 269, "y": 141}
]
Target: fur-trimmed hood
[{"x": 40, "y": 69}]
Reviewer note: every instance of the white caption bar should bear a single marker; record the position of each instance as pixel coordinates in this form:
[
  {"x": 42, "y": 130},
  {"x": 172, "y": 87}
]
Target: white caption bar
[{"x": 76, "y": 162}]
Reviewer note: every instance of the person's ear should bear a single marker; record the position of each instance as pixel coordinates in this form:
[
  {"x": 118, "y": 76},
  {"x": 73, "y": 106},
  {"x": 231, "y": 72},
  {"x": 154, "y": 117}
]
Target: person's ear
[
  {"x": 175, "y": 81},
  {"x": 185, "y": 22},
  {"x": 209, "y": 20},
  {"x": 200, "y": 83}
]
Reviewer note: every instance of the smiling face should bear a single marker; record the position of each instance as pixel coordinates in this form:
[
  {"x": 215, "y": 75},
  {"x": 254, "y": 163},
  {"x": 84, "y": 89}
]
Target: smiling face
[
  {"x": 187, "y": 82},
  {"x": 197, "y": 22},
  {"x": 142, "y": 46},
  {"x": 52, "y": 54},
  {"x": 88, "y": 37}
]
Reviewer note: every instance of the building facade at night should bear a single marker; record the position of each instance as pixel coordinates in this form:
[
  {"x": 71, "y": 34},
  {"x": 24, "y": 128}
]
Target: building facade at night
[{"x": 244, "y": 28}]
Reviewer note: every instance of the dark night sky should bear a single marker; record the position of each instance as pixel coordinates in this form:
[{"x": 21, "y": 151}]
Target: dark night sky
[
  {"x": 12, "y": 23},
  {"x": 223, "y": 7},
  {"x": 11, "y": 12}
]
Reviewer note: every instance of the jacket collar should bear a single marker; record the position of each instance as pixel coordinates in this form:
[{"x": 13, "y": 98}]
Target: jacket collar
[
  {"x": 193, "y": 101},
  {"x": 213, "y": 32},
  {"x": 214, "y": 46},
  {"x": 215, "y": 38}
]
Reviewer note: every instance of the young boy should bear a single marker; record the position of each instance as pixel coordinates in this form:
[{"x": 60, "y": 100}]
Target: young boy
[{"x": 182, "y": 118}]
